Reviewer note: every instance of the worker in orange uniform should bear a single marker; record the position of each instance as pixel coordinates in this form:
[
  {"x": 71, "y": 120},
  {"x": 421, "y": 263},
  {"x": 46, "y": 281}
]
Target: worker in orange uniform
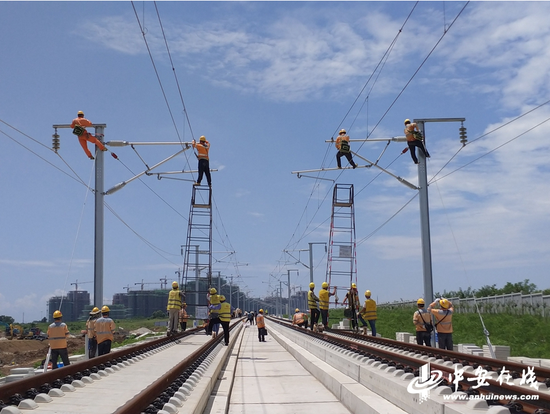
[
  {"x": 414, "y": 140},
  {"x": 79, "y": 125},
  {"x": 368, "y": 313},
  {"x": 443, "y": 322},
  {"x": 422, "y": 320},
  {"x": 260, "y": 323},
  {"x": 313, "y": 304},
  {"x": 299, "y": 318},
  {"x": 57, "y": 335},
  {"x": 175, "y": 299},
  {"x": 352, "y": 297},
  {"x": 204, "y": 164},
  {"x": 214, "y": 305},
  {"x": 92, "y": 340},
  {"x": 104, "y": 330},
  {"x": 342, "y": 144},
  {"x": 183, "y": 317},
  {"x": 225, "y": 318},
  {"x": 324, "y": 296}
]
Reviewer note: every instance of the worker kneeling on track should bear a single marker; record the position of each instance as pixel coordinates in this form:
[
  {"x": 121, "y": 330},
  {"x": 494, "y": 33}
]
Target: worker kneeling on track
[{"x": 299, "y": 318}]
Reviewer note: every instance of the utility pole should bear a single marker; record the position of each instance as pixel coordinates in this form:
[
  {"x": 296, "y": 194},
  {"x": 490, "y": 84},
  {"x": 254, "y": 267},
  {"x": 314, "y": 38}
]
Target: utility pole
[{"x": 311, "y": 258}]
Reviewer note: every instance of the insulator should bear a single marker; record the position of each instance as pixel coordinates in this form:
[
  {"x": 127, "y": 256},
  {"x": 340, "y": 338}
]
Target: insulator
[
  {"x": 55, "y": 142},
  {"x": 463, "y": 136}
]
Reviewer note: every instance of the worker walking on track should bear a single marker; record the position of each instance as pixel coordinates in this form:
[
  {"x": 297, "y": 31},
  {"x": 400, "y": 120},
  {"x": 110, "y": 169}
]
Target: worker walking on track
[
  {"x": 57, "y": 335},
  {"x": 260, "y": 322},
  {"x": 79, "y": 125},
  {"x": 313, "y": 304},
  {"x": 342, "y": 144},
  {"x": 299, "y": 318},
  {"x": 225, "y": 318},
  {"x": 214, "y": 306},
  {"x": 175, "y": 299},
  {"x": 444, "y": 322},
  {"x": 104, "y": 330},
  {"x": 422, "y": 320},
  {"x": 92, "y": 340},
  {"x": 204, "y": 163},
  {"x": 324, "y": 296},
  {"x": 368, "y": 312}
]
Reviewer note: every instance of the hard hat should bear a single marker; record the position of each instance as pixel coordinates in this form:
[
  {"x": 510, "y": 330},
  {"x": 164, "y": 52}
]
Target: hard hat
[
  {"x": 105, "y": 309},
  {"x": 420, "y": 302},
  {"x": 407, "y": 121},
  {"x": 297, "y": 310},
  {"x": 184, "y": 304},
  {"x": 57, "y": 314},
  {"x": 354, "y": 286},
  {"x": 324, "y": 285},
  {"x": 222, "y": 298},
  {"x": 261, "y": 311},
  {"x": 175, "y": 284},
  {"x": 444, "y": 303},
  {"x": 202, "y": 138},
  {"x": 80, "y": 113},
  {"x": 311, "y": 285},
  {"x": 342, "y": 131},
  {"x": 213, "y": 291},
  {"x": 367, "y": 293},
  {"x": 94, "y": 311}
]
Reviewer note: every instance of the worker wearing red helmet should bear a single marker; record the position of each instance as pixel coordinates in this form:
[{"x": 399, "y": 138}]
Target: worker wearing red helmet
[{"x": 79, "y": 125}]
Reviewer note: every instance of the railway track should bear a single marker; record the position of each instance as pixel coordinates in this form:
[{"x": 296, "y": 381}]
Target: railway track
[{"x": 382, "y": 365}]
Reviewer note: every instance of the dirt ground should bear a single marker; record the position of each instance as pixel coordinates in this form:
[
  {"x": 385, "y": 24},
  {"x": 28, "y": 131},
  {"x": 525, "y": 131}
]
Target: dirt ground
[{"x": 19, "y": 353}]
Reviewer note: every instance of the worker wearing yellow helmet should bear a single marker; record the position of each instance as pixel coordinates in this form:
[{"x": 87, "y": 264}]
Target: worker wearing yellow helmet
[
  {"x": 299, "y": 318},
  {"x": 352, "y": 310},
  {"x": 343, "y": 147},
  {"x": 57, "y": 336},
  {"x": 104, "y": 331},
  {"x": 313, "y": 305},
  {"x": 203, "y": 147},
  {"x": 368, "y": 313},
  {"x": 324, "y": 298},
  {"x": 224, "y": 318},
  {"x": 175, "y": 299},
  {"x": 415, "y": 140},
  {"x": 79, "y": 125},
  {"x": 92, "y": 340},
  {"x": 422, "y": 320},
  {"x": 443, "y": 322},
  {"x": 214, "y": 305}
]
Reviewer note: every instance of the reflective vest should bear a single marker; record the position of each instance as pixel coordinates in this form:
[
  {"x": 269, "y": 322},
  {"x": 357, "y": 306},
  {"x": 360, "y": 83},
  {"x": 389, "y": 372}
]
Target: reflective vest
[
  {"x": 183, "y": 315},
  {"x": 312, "y": 300},
  {"x": 369, "y": 311},
  {"x": 260, "y": 323},
  {"x": 57, "y": 335},
  {"x": 174, "y": 299},
  {"x": 323, "y": 299},
  {"x": 299, "y": 317},
  {"x": 215, "y": 304},
  {"x": 202, "y": 149},
  {"x": 420, "y": 317},
  {"x": 104, "y": 329},
  {"x": 225, "y": 312},
  {"x": 90, "y": 327},
  {"x": 443, "y": 320}
]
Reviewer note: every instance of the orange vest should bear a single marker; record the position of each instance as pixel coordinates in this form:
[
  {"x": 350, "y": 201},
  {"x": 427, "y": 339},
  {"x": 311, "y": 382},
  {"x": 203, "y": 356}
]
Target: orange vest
[
  {"x": 104, "y": 329},
  {"x": 202, "y": 149},
  {"x": 57, "y": 335},
  {"x": 443, "y": 320},
  {"x": 260, "y": 323}
]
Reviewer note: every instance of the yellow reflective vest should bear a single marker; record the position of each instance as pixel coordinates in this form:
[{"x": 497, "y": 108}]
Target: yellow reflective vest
[
  {"x": 324, "y": 299},
  {"x": 312, "y": 300},
  {"x": 225, "y": 312},
  {"x": 369, "y": 311},
  {"x": 57, "y": 335},
  {"x": 174, "y": 299}
]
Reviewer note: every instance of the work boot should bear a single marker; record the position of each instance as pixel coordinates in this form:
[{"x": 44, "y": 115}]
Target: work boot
[
  {"x": 196, "y": 183},
  {"x": 91, "y": 157}
]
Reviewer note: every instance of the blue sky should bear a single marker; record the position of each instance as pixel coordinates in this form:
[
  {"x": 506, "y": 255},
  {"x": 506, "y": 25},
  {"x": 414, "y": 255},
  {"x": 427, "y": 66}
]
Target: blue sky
[{"x": 267, "y": 83}]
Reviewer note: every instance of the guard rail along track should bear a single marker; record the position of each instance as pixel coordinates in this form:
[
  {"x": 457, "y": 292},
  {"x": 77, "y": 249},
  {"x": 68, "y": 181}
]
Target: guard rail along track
[
  {"x": 25, "y": 393},
  {"x": 405, "y": 361}
]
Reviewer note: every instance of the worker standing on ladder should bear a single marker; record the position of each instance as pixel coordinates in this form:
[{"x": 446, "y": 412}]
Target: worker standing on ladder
[
  {"x": 342, "y": 144},
  {"x": 204, "y": 163},
  {"x": 79, "y": 125},
  {"x": 312, "y": 302}
]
